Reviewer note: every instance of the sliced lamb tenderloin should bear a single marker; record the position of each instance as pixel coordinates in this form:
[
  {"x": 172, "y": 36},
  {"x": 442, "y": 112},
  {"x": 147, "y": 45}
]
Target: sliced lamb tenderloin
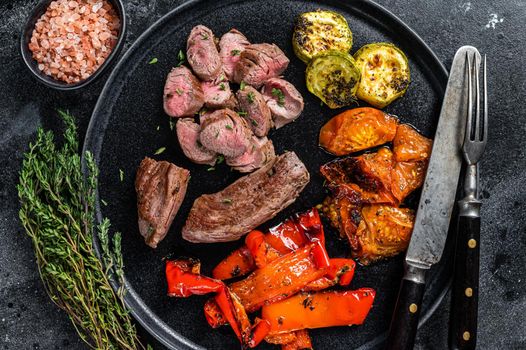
[
  {"x": 257, "y": 112},
  {"x": 284, "y": 101},
  {"x": 188, "y": 137},
  {"x": 226, "y": 133},
  {"x": 202, "y": 54},
  {"x": 260, "y": 62},
  {"x": 183, "y": 96},
  {"x": 161, "y": 188},
  {"x": 231, "y": 45},
  {"x": 247, "y": 203},
  {"x": 217, "y": 93},
  {"x": 259, "y": 154}
]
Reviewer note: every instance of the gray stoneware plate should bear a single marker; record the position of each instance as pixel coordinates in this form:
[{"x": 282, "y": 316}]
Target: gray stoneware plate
[{"x": 124, "y": 129}]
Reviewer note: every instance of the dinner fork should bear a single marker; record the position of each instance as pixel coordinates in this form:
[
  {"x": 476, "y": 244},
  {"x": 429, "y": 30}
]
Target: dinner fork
[{"x": 464, "y": 310}]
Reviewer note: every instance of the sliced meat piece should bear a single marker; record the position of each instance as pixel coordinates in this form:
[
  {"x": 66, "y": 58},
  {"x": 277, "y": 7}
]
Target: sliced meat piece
[
  {"x": 284, "y": 101},
  {"x": 218, "y": 93},
  {"x": 226, "y": 133},
  {"x": 258, "y": 115},
  {"x": 231, "y": 45},
  {"x": 183, "y": 96},
  {"x": 260, "y": 153},
  {"x": 188, "y": 137},
  {"x": 202, "y": 54},
  {"x": 260, "y": 62},
  {"x": 247, "y": 203},
  {"x": 161, "y": 187}
]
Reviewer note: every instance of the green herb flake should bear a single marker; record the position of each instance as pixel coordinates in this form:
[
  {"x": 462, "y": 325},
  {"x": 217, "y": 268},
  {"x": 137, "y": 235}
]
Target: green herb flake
[
  {"x": 180, "y": 57},
  {"x": 279, "y": 95},
  {"x": 204, "y": 36},
  {"x": 242, "y": 85},
  {"x": 211, "y": 169},
  {"x": 153, "y": 60},
  {"x": 104, "y": 202},
  {"x": 160, "y": 150},
  {"x": 242, "y": 113},
  {"x": 220, "y": 159},
  {"x": 229, "y": 127},
  {"x": 172, "y": 124},
  {"x": 179, "y": 91},
  {"x": 235, "y": 52},
  {"x": 227, "y": 201},
  {"x": 158, "y": 127},
  {"x": 254, "y": 122},
  {"x": 222, "y": 87},
  {"x": 250, "y": 97},
  {"x": 121, "y": 175}
]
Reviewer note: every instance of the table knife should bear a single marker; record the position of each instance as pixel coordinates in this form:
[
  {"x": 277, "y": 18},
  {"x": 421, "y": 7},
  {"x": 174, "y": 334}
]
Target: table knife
[{"x": 435, "y": 207}]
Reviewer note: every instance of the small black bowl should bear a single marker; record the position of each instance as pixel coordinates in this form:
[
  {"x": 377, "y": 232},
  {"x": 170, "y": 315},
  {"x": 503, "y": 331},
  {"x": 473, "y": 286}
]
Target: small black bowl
[{"x": 27, "y": 55}]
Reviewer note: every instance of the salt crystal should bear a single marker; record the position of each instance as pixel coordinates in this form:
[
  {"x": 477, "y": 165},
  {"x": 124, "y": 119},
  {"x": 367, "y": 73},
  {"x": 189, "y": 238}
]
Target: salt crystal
[
  {"x": 96, "y": 7},
  {"x": 41, "y": 66},
  {"x": 73, "y": 4}
]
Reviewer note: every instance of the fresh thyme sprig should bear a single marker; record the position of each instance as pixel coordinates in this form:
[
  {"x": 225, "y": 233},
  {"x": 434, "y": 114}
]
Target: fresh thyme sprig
[{"x": 57, "y": 212}]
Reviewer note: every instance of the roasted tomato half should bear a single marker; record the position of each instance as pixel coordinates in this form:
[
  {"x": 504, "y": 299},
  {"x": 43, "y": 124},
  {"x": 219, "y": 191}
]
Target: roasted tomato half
[
  {"x": 409, "y": 145},
  {"x": 357, "y": 129}
]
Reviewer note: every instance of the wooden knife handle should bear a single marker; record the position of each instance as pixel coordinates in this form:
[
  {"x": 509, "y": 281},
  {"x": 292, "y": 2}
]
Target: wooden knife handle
[
  {"x": 464, "y": 298},
  {"x": 405, "y": 317}
]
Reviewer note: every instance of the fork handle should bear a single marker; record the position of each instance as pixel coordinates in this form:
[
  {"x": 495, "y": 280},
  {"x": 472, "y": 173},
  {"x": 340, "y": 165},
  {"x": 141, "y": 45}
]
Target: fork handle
[{"x": 464, "y": 310}]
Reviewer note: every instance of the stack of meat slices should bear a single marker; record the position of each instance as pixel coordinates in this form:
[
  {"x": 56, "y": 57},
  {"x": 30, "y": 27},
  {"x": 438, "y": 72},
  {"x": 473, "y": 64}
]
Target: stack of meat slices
[
  {"x": 232, "y": 124},
  {"x": 367, "y": 191}
]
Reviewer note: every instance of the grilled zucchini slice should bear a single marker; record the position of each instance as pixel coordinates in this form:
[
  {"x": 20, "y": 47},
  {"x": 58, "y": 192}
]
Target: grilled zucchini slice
[
  {"x": 319, "y": 31},
  {"x": 384, "y": 73},
  {"x": 333, "y": 77}
]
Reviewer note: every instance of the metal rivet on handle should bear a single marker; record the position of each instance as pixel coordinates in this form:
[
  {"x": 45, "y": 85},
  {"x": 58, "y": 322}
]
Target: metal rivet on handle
[
  {"x": 469, "y": 292},
  {"x": 413, "y": 308},
  {"x": 472, "y": 243},
  {"x": 466, "y": 336}
]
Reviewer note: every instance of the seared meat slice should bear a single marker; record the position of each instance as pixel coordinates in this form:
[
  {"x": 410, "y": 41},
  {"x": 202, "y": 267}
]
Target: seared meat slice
[
  {"x": 260, "y": 62},
  {"x": 257, "y": 112},
  {"x": 161, "y": 187},
  {"x": 231, "y": 45},
  {"x": 218, "y": 93},
  {"x": 247, "y": 203},
  {"x": 260, "y": 153},
  {"x": 284, "y": 101},
  {"x": 183, "y": 96},
  {"x": 226, "y": 133},
  {"x": 202, "y": 54},
  {"x": 188, "y": 136}
]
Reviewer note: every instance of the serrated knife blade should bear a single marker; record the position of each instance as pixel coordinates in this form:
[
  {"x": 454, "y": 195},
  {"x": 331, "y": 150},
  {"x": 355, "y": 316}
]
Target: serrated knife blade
[{"x": 435, "y": 207}]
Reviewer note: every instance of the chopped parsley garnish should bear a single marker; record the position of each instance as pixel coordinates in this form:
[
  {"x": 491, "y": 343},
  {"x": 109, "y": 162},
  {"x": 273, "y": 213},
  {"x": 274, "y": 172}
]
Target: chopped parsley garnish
[
  {"x": 235, "y": 52},
  {"x": 172, "y": 124},
  {"x": 153, "y": 60},
  {"x": 279, "y": 95},
  {"x": 180, "y": 57},
  {"x": 229, "y": 127},
  {"x": 121, "y": 175},
  {"x": 204, "y": 36},
  {"x": 160, "y": 150},
  {"x": 227, "y": 200},
  {"x": 222, "y": 87},
  {"x": 104, "y": 202},
  {"x": 158, "y": 127},
  {"x": 211, "y": 169},
  {"x": 179, "y": 91},
  {"x": 250, "y": 97},
  {"x": 242, "y": 113},
  {"x": 220, "y": 159},
  {"x": 242, "y": 85},
  {"x": 255, "y": 123}
]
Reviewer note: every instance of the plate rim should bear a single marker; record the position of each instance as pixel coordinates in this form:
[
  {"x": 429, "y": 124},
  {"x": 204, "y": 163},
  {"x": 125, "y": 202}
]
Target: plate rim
[{"x": 137, "y": 307}]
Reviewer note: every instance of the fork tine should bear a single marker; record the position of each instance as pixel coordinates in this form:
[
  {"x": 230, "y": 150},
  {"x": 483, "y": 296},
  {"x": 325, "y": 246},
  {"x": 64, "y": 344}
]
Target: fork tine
[
  {"x": 469, "y": 119},
  {"x": 476, "y": 64},
  {"x": 485, "y": 87}
]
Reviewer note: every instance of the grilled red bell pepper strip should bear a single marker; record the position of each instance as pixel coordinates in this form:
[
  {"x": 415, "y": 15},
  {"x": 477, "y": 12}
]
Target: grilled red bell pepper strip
[
  {"x": 296, "y": 232},
  {"x": 260, "y": 250},
  {"x": 301, "y": 342},
  {"x": 317, "y": 310},
  {"x": 213, "y": 314},
  {"x": 282, "y": 277},
  {"x": 341, "y": 271},
  {"x": 182, "y": 282}
]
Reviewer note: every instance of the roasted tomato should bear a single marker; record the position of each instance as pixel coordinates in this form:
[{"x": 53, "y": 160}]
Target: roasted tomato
[
  {"x": 383, "y": 232},
  {"x": 357, "y": 129},
  {"x": 344, "y": 215},
  {"x": 407, "y": 177},
  {"x": 409, "y": 145}
]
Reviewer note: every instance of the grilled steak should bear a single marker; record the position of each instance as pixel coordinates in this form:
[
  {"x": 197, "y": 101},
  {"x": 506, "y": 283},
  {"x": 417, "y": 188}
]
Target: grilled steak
[
  {"x": 183, "y": 96},
  {"x": 230, "y": 47},
  {"x": 257, "y": 112},
  {"x": 202, "y": 54},
  {"x": 226, "y": 133},
  {"x": 260, "y": 153},
  {"x": 218, "y": 93},
  {"x": 188, "y": 136},
  {"x": 161, "y": 187},
  {"x": 283, "y": 100},
  {"x": 247, "y": 203},
  {"x": 260, "y": 62}
]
